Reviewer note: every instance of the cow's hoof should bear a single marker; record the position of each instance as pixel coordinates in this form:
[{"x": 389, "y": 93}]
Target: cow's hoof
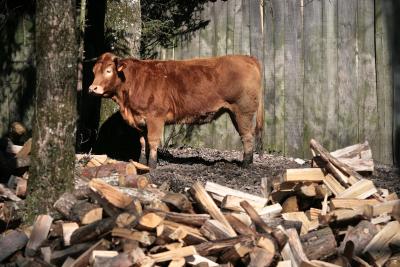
[{"x": 247, "y": 160}]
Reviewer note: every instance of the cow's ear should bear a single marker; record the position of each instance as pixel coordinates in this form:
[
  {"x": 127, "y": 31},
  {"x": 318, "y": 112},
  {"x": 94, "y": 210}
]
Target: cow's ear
[{"x": 121, "y": 66}]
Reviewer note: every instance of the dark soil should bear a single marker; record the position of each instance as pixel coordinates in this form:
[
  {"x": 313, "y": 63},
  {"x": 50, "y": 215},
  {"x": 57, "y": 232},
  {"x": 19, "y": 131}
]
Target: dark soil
[{"x": 179, "y": 168}]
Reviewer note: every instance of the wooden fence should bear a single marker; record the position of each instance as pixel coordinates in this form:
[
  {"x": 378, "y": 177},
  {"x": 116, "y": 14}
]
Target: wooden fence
[{"x": 327, "y": 72}]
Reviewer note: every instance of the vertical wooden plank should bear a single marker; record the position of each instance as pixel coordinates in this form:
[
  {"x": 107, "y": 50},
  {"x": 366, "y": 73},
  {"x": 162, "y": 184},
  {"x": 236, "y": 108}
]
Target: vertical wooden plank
[
  {"x": 293, "y": 78},
  {"x": 384, "y": 76},
  {"x": 220, "y": 35},
  {"x": 245, "y": 34},
  {"x": 347, "y": 73},
  {"x": 269, "y": 74},
  {"x": 366, "y": 80},
  {"x": 279, "y": 61},
  {"x": 256, "y": 50},
  {"x": 396, "y": 92},
  {"x": 330, "y": 76},
  {"x": 232, "y": 138},
  {"x": 237, "y": 32}
]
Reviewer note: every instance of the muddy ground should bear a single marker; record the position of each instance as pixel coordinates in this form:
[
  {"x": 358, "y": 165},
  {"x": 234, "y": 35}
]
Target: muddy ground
[{"x": 179, "y": 168}]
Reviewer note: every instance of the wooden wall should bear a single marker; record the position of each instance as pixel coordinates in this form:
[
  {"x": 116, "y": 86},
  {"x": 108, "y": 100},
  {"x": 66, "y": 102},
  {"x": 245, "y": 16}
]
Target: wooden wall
[{"x": 327, "y": 72}]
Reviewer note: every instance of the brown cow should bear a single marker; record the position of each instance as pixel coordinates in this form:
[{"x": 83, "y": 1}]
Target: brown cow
[{"x": 153, "y": 93}]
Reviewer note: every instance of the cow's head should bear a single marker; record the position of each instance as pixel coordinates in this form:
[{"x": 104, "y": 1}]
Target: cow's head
[{"x": 108, "y": 75}]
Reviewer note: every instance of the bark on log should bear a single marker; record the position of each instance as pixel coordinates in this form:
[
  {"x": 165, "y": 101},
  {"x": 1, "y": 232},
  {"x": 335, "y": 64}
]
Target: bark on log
[
  {"x": 319, "y": 244},
  {"x": 86, "y": 212},
  {"x": 65, "y": 203},
  {"x": 92, "y": 231},
  {"x": 260, "y": 257},
  {"x": 214, "y": 230},
  {"x": 39, "y": 234},
  {"x": 12, "y": 242},
  {"x": 185, "y": 218},
  {"x": 360, "y": 235}
]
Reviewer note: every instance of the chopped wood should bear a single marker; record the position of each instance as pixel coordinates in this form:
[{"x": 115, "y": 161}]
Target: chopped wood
[
  {"x": 65, "y": 203},
  {"x": 383, "y": 218},
  {"x": 286, "y": 263},
  {"x": 41, "y": 229},
  {"x": 300, "y": 216},
  {"x": 260, "y": 257},
  {"x": 214, "y": 230},
  {"x": 305, "y": 174},
  {"x": 361, "y": 190},
  {"x": 239, "y": 226},
  {"x": 173, "y": 231},
  {"x": 351, "y": 203},
  {"x": 25, "y": 150},
  {"x": 178, "y": 201},
  {"x": 8, "y": 193},
  {"x": 382, "y": 207},
  {"x": 178, "y": 262},
  {"x": 177, "y": 253},
  {"x": 59, "y": 256},
  {"x": 143, "y": 237},
  {"x": 378, "y": 245},
  {"x": 84, "y": 258},
  {"x": 290, "y": 205},
  {"x": 333, "y": 185},
  {"x": 223, "y": 191},
  {"x": 92, "y": 231},
  {"x": 108, "y": 208},
  {"x": 270, "y": 210},
  {"x": 233, "y": 203},
  {"x": 185, "y": 218},
  {"x": 113, "y": 195},
  {"x": 133, "y": 180},
  {"x": 86, "y": 212},
  {"x": 150, "y": 221},
  {"x": 140, "y": 166},
  {"x": 125, "y": 220},
  {"x": 21, "y": 189},
  {"x": 200, "y": 194},
  {"x": 265, "y": 187},
  {"x": 360, "y": 235},
  {"x": 68, "y": 229},
  {"x": 319, "y": 244},
  {"x": 296, "y": 247},
  {"x": 197, "y": 260},
  {"x": 11, "y": 242},
  {"x": 102, "y": 254},
  {"x": 215, "y": 247}
]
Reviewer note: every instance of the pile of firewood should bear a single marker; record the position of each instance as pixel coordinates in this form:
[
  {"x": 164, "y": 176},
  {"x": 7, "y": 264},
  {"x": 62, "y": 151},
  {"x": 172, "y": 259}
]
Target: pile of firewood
[{"x": 327, "y": 215}]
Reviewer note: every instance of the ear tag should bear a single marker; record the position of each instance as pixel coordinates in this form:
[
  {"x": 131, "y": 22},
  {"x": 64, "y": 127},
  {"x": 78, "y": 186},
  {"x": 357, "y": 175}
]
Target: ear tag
[{"x": 120, "y": 68}]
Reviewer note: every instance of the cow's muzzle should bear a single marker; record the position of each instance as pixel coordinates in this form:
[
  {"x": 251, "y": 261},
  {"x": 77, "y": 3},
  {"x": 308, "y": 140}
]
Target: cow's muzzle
[{"x": 96, "y": 89}]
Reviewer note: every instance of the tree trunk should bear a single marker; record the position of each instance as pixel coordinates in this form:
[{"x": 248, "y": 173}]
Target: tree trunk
[
  {"x": 53, "y": 146},
  {"x": 122, "y": 33}
]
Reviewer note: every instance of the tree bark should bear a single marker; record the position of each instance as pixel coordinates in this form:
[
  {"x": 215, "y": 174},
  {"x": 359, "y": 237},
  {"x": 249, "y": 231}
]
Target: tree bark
[
  {"x": 123, "y": 26},
  {"x": 53, "y": 146}
]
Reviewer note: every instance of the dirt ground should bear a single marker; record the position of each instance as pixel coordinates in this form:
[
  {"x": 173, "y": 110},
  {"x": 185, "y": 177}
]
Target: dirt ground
[{"x": 179, "y": 168}]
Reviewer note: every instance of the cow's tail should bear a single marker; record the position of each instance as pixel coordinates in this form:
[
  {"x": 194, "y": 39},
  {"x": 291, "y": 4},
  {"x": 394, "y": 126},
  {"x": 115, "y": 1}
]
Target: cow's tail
[{"x": 259, "y": 130}]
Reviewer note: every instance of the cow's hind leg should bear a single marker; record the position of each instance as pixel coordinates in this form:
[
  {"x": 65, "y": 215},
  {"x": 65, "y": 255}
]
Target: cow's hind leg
[
  {"x": 155, "y": 128},
  {"x": 143, "y": 156},
  {"x": 244, "y": 125}
]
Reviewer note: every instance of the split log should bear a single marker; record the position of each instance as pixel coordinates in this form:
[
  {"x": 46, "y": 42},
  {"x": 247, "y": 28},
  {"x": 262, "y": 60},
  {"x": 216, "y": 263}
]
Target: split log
[
  {"x": 86, "y": 212},
  {"x": 149, "y": 221},
  {"x": 319, "y": 244},
  {"x": 11, "y": 242},
  {"x": 381, "y": 208},
  {"x": 358, "y": 156},
  {"x": 113, "y": 195},
  {"x": 106, "y": 170},
  {"x": 378, "y": 247},
  {"x": 233, "y": 203},
  {"x": 240, "y": 227},
  {"x": 277, "y": 233},
  {"x": 360, "y": 190},
  {"x": 177, "y": 253},
  {"x": 296, "y": 247},
  {"x": 393, "y": 261},
  {"x": 170, "y": 231},
  {"x": 300, "y": 216},
  {"x": 59, "y": 256},
  {"x": 222, "y": 191},
  {"x": 101, "y": 256},
  {"x": 333, "y": 185},
  {"x": 68, "y": 229},
  {"x": 133, "y": 180},
  {"x": 305, "y": 174},
  {"x": 202, "y": 197},
  {"x": 286, "y": 263},
  {"x": 214, "y": 230},
  {"x": 108, "y": 208},
  {"x": 25, "y": 150},
  {"x": 290, "y": 205},
  {"x": 326, "y": 156},
  {"x": 92, "y": 231},
  {"x": 270, "y": 210},
  {"x": 351, "y": 203},
  {"x": 8, "y": 193},
  {"x": 215, "y": 247},
  {"x": 142, "y": 237},
  {"x": 360, "y": 235},
  {"x": 236, "y": 252},
  {"x": 178, "y": 201},
  {"x": 65, "y": 203},
  {"x": 185, "y": 218},
  {"x": 260, "y": 257},
  {"x": 126, "y": 220},
  {"x": 140, "y": 166},
  {"x": 22, "y": 186},
  {"x": 178, "y": 262},
  {"x": 197, "y": 260},
  {"x": 45, "y": 253},
  {"x": 39, "y": 234},
  {"x": 265, "y": 187},
  {"x": 83, "y": 259}
]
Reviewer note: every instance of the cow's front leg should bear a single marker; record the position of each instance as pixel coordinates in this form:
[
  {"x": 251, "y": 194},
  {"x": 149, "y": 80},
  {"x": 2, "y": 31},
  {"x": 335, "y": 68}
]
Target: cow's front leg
[
  {"x": 155, "y": 128},
  {"x": 143, "y": 156}
]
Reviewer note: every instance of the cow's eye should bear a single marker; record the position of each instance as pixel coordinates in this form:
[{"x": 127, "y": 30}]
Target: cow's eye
[{"x": 108, "y": 71}]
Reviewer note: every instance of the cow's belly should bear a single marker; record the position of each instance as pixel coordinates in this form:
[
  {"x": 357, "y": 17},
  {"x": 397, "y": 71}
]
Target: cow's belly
[{"x": 199, "y": 118}]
